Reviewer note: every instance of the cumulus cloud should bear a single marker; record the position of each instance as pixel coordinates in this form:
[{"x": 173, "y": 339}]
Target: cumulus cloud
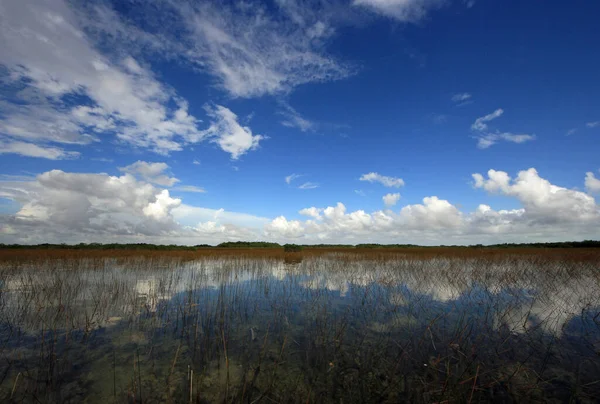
[
  {"x": 311, "y": 212},
  {"x": 542, "y": 201},
  {"x": 160, "y": 209},
  {"x": 548, "y": 213},
  {"x": 485, "y": 138},
  {"x": 592, "y": 184},
  {"x": 434, "y": 213},
  {"x": 402, "y": 10},
  {"x": 392, "y": 182},
  {"x": 58, "y": 206},
  {"x": 58, "y": 201},
  {"x": 391, "y": 199},
  {"x": 151, "y": 172},
  {"x": 335, "y": 223}
]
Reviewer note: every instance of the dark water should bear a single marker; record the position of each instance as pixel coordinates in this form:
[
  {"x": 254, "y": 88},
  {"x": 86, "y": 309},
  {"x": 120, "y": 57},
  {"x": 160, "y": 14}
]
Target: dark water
[{"x": 326, "y": 329}]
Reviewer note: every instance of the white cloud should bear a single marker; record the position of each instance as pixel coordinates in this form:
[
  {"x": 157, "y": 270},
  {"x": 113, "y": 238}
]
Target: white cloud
[
  {"x": 100, "y": 204},
  {"x": 549, "y": 213},
  {"x": 196, "y": 162},
  {"x": 434, "y": 213},
  {"x": 308, "y": 185},
  {"x": 151, "y": 172},
  {"x": 50, "y": 57},
  {"x": 252, "y": 52},
  {"x": 161, "y": 208},
  {"x": 571, "y": 131},
  {"x": 292, "y": 177},
  {"x": 480, "y": 124},
  {"x": 32, "y": 150},
  {"x": 394, "y": 182},
  {"x": 402, "y": 10},
  {"x": 190, "y": 188},
  {"x": 57, "y": 206},
  {"x": 293, "y": 119},
  {"x": 334, "y": 223},
  {"x": 313, "y": 212},
  {"x": 542, "y": 201},
  {"x": 281, "y": 227},
  {"x": 48, "y": 54},
  {"x": 592, "y": 184},
  {"x": 391, "y": 199},
  {"x": 489, "y": 139},
  {"x": 360, "y": 192},
  {"x": 226, "y": 131},
  {"x": 189, "y": 215},
  {"x": 461, "y": 97},
  {"x": 593, "y": 124},
  {"x": 486, "y": 139}
]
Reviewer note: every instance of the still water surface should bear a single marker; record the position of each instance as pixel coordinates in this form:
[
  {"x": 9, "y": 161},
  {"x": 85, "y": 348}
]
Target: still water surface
[{"x": 334, "y": 328}]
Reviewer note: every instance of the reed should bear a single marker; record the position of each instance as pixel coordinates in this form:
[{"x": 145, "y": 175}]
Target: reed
[{"x": 318, "y": 325}]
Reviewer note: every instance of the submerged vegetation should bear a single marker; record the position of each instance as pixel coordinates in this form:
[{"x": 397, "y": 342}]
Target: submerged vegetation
[{"x": 420, "y": 325}]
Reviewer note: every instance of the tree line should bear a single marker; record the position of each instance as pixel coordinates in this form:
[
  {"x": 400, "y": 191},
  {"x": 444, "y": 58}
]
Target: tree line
[{"x": 288, "y": 247}]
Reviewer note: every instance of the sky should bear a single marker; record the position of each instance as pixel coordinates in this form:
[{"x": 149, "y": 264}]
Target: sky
[{"x": 304, "y": 121}]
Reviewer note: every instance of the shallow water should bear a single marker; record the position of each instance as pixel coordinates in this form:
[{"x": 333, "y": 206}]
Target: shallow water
[{"x": 332, "y": 328}]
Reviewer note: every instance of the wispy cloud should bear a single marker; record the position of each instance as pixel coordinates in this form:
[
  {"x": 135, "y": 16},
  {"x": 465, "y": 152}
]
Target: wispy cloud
[
  {"x": 309, "y": 185},
  {"x": 190, "y": 188},
  {"x": 393, "y": 182},
  {"x": 292, "y": 177},
  {"x": 480, "y": 124},
  {"x": 487, "y": 139},
  {"x": 439, "y": 119},
  {"x": 360, "y": 192},
  {"x": 250, "y": 49},
  {"x": 293, "y": 119},
  {"x": 593, "y": 124},
  {"x": 196, "y": 162},
  {"x": 33, "y": 150},
  {"x": 461, "y": 97},
  {"x": 571, "y": 132},
  {"x": 403, "y": 10}
]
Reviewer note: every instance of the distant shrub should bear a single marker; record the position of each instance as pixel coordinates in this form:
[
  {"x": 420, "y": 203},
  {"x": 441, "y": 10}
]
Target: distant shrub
[
  {"x": 292, "y": 248},
  {"x": 248, "y": 244}
]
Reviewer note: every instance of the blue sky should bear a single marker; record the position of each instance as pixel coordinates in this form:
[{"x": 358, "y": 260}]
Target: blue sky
[{"x": 424, "y": 121}]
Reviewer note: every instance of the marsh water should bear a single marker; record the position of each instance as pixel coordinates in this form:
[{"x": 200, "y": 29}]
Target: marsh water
[{"x": 330, "y": 328}]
